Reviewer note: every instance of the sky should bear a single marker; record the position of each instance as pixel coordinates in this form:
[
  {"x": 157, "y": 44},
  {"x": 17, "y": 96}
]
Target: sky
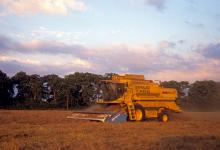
[{"x": 162, "y": 39}]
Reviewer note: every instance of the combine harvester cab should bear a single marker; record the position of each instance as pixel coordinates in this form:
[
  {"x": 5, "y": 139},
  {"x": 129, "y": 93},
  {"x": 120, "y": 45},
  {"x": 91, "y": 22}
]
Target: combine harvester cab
[{"x": 137, "y": 99}]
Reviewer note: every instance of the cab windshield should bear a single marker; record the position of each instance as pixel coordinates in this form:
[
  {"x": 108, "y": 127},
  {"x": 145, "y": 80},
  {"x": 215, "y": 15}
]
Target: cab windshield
[{"x": 111, "y": 91}]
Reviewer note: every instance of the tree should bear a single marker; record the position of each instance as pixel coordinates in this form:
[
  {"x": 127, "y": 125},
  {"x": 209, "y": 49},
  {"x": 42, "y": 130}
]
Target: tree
[
  {"x": 89, "y": 88},
  {"x": 81, "y": 88},
  {"x": 71, "y": 90},
  {"x": 21, "y": 82},
  {"x": 6, "y": 90},
  {"x": 54, "y": 83},
  {"x": 36, "y": 87},
  {"x": 205, "y": 94}
]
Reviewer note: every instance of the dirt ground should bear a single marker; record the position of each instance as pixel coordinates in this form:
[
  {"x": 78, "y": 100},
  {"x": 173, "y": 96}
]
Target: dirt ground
[{"x": 50, "y": 129}]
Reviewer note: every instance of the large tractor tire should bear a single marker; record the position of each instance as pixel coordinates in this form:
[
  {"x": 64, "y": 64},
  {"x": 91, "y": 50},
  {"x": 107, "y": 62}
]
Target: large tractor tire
[
  {"x": 139, "y": 112},
  {"x": 163, "y": 117}
]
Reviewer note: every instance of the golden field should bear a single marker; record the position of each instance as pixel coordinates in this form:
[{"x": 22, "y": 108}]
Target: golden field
[{"x": 50, "y": 129}]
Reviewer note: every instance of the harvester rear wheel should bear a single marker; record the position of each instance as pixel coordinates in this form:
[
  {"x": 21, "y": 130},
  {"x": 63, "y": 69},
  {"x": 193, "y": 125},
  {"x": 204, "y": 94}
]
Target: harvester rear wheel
[
  {"x": 139, "y": 112},
  {"x": 163, "y": 117}
]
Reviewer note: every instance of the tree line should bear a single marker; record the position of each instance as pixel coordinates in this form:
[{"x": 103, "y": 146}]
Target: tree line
[
  {"x": 197, "y": 96},
  {"x": 33, "y": 91},
  {"x": 81, "y": 89}
]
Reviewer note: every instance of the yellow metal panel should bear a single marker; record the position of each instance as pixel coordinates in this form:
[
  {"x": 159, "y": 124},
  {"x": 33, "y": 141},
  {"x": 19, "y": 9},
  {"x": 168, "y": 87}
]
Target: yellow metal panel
[
  {"x": 160, "y": 104},
  {"x": 146, "y": 93},
  {"x": 151, "y": 113}
]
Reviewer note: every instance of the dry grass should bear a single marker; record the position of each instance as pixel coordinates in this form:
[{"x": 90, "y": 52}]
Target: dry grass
[{"x": 24, "y": 129}]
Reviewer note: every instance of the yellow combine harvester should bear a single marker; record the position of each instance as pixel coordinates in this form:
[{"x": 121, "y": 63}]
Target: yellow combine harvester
[{"x": 136, "y": 97}]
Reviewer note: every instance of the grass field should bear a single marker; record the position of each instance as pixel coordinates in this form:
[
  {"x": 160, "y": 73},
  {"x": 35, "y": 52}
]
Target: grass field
[{"x": 50, "y": 129}]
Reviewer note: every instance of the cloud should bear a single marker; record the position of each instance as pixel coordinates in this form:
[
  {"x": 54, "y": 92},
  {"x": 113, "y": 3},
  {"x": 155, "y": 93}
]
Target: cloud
[
  {"x": 24, "y": 7},
  {"x": 159, "y": 4},
  {"x": 181, "y": 41},
  {"x": 195, "y": 25},
  {"x": 45, "y": 33},
  {"x": 38, "y": 46},
  {"x": 166, "y": 45},
  {"x": 145, "y": 59},
  {"x": 45, "y": 57},
  {"x": 7, "y": 44},
  {"x": 211, "y": 51},
  {"x": 12, "y": 65},
  {"x": 24, "y": 61}
]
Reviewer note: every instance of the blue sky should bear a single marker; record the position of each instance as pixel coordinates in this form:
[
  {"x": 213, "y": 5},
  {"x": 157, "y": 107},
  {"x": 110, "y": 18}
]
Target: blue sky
[{"x": 163, "y": 39}]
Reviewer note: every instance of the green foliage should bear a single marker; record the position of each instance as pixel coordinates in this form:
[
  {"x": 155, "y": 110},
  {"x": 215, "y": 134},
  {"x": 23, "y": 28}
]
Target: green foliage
[
  {"x": 6, "y": 89},
  {"x": 202, "y": 95},
  {"x": 56, "y": 86},
  {"x": 22, "y": 82},
  {"x": 82, "y": 89},
  {"x": 36, "y": 87},
  {"x": 205, "y": 92}
]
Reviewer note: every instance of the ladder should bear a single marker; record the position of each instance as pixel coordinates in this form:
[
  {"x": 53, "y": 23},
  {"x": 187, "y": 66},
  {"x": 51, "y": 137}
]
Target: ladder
[
  {"x": 131, "y": 111},
  {"x": 130, "y": 104}
]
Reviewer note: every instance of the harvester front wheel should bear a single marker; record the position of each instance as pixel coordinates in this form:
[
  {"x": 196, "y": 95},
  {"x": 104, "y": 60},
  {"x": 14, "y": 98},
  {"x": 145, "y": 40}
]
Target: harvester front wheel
[
  {"x": 163, "y": 117},
  {"x": 139, "y": 113}
]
